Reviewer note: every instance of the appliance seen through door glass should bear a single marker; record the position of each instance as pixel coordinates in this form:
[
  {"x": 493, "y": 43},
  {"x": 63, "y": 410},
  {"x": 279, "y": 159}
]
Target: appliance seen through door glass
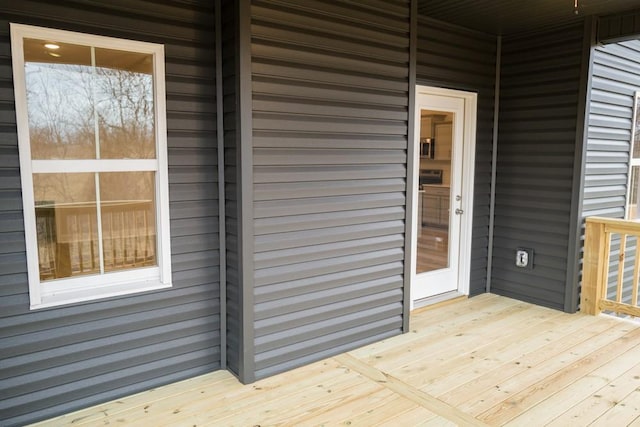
[
  {"x": 430, "y": 176},
  {"x": 427, "y": 148}
]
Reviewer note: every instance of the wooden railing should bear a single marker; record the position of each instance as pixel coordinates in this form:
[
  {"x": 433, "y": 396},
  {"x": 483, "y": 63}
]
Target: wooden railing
[
  {"x": 68, "y": 237},
  {"x": 608, "y": 250}
]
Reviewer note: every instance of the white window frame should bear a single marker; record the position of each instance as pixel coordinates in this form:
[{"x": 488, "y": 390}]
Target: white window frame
[
  {"x": 91, "y": 287},
  {"x": 632, "y": 162}
]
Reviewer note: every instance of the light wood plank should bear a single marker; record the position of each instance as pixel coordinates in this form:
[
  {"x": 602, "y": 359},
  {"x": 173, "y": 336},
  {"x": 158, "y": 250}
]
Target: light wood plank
[
  {"x": 621, "y": 308},
  {"x": 529, "y": 355},
  {"x": 385, "y": 356},
  {"x": 636, "y": 274},
  {"x": 622, "y": 414},
  {"x": 440, "y": 346},
  {"x": 526, "y": 371},
  {"x": 497, "y": 351},
  {"x": 600, "y": 401},
  {"x": 294, "y": 409},
  {"x": 453, "y": 352},
  {"x": 416, "y": 417},
  {"x": 426, "y": 322},
  {"x": 429, "y": 402},
  {"x": 220, "y": 381},
  {"x": 621, "y": 256},
  {"x": 580, "y": 389},
  {"x": 531, "y": 394},
  {"x": 368, "y": 411},
  {"x": 251, "y": 400}
]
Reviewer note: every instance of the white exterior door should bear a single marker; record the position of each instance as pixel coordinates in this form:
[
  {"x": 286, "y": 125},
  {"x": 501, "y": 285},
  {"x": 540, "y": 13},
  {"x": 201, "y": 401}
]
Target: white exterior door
[{"x": 444, "y": 148}]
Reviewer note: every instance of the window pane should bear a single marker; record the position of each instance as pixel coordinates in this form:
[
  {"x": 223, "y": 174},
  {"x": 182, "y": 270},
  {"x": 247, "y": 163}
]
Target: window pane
[
  {"x": 124, "y": 94},
  {"x": 128, "y": 219},
  {"x": 66, "y": 224},
  {"x": 59, "y": 100}
]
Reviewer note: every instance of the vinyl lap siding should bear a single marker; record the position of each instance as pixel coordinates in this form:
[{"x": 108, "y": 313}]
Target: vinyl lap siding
[
  {"x": 60, "y": 359},
  {"x": 616, "y": 78},
  {"x": 540, "y": 84},
  {"x": 456, "y": 58},
  {"x": 330, "y": 85}
]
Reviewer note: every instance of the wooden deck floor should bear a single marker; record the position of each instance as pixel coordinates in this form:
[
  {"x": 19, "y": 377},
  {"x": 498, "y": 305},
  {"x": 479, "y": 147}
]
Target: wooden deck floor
[{"x": 487, "y": 360}]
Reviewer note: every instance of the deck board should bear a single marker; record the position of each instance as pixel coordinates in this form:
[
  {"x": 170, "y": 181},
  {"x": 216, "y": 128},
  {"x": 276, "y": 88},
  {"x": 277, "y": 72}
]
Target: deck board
[
  {"x": 600, "y": 401},
  {"x": 486, "y": 360}
]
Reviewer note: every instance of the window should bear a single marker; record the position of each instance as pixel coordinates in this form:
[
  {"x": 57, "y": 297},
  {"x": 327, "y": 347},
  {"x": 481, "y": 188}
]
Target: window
[
  {"x": 92, "y": 140},
  {"x": 634, "y": 164}
]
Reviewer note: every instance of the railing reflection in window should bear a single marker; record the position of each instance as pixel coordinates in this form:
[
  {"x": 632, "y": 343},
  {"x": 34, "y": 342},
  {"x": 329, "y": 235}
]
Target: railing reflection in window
[{"x": 68, "y": 237}]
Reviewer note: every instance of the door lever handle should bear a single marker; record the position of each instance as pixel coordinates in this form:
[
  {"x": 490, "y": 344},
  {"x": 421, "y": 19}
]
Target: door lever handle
[{"x": 459, "y": 211}]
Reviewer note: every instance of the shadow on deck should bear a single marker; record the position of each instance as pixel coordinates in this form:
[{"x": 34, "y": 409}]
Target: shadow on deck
[{"x": 487, "y": 360}]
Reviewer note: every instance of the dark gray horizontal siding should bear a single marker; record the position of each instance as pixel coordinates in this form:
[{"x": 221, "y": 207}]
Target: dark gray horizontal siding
[
  {"x": 455, "y": 58},
  {"x": 330, "y": 84},
  {"x": 540, "y": 85},
  {"x": 65, "y": 358}
]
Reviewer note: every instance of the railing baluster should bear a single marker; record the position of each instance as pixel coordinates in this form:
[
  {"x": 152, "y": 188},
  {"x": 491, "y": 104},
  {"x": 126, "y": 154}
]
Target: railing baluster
[
  {"x": 593, "y": 264},
  {"x": 636, "y": 272},
  {"x": 623, "y": 248},
  {"x": 145, "y": 236},
  {"x": 91, "y": 243},
  {"x": 113, "y": 243},
  {"x": 597, "y": 263},
  {"x": 76, "y": 240},
  {"x": 123, "y": 235}
]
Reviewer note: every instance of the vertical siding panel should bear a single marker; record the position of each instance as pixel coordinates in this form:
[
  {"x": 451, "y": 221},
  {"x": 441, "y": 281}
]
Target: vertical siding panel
[
  {"x": 60, "y": 359},
  {"x": 540, "y": 87},
  {"x": 462, "y": 59},
  {"x": 618, "y": 27},
  {"x": 330, "y": 85}
]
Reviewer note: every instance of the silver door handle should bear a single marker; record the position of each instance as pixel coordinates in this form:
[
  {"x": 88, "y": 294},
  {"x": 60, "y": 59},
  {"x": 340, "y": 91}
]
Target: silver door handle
[{"x": 459, "y": 211}]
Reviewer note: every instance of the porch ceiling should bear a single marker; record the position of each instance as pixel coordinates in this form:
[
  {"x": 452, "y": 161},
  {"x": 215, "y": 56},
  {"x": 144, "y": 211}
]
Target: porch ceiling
[{"x": 511, "y": 16}]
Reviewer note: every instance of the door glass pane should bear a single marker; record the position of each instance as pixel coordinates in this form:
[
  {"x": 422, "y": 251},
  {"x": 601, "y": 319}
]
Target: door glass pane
[
  {"x": 434, "y": 191},
  {"x": 128, "y": 221},
  {"x": 66, "y": 224}
]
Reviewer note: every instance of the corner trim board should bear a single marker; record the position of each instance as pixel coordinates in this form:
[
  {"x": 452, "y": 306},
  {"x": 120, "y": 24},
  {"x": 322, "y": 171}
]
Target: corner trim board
[
  {"x": 494, "y": 163},
  {"x": 245, "y": 199},
  {"x": 222, "y": 226},
  {"x": 580, "y": 158},
  {"x": 408, "y": 247}
]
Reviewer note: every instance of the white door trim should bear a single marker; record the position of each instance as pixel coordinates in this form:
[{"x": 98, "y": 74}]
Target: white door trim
[{"x": 468, "y": 158}]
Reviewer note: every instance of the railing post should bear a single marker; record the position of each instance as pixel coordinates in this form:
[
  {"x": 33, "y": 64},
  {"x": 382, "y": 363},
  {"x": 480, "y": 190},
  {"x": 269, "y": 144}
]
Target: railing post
[{"x": 594, "y": 262}]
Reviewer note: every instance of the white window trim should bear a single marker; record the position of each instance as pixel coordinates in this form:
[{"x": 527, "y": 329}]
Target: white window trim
[
  {"x": 91, "y": 287},
  {"x": 632, "y": 162}
]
